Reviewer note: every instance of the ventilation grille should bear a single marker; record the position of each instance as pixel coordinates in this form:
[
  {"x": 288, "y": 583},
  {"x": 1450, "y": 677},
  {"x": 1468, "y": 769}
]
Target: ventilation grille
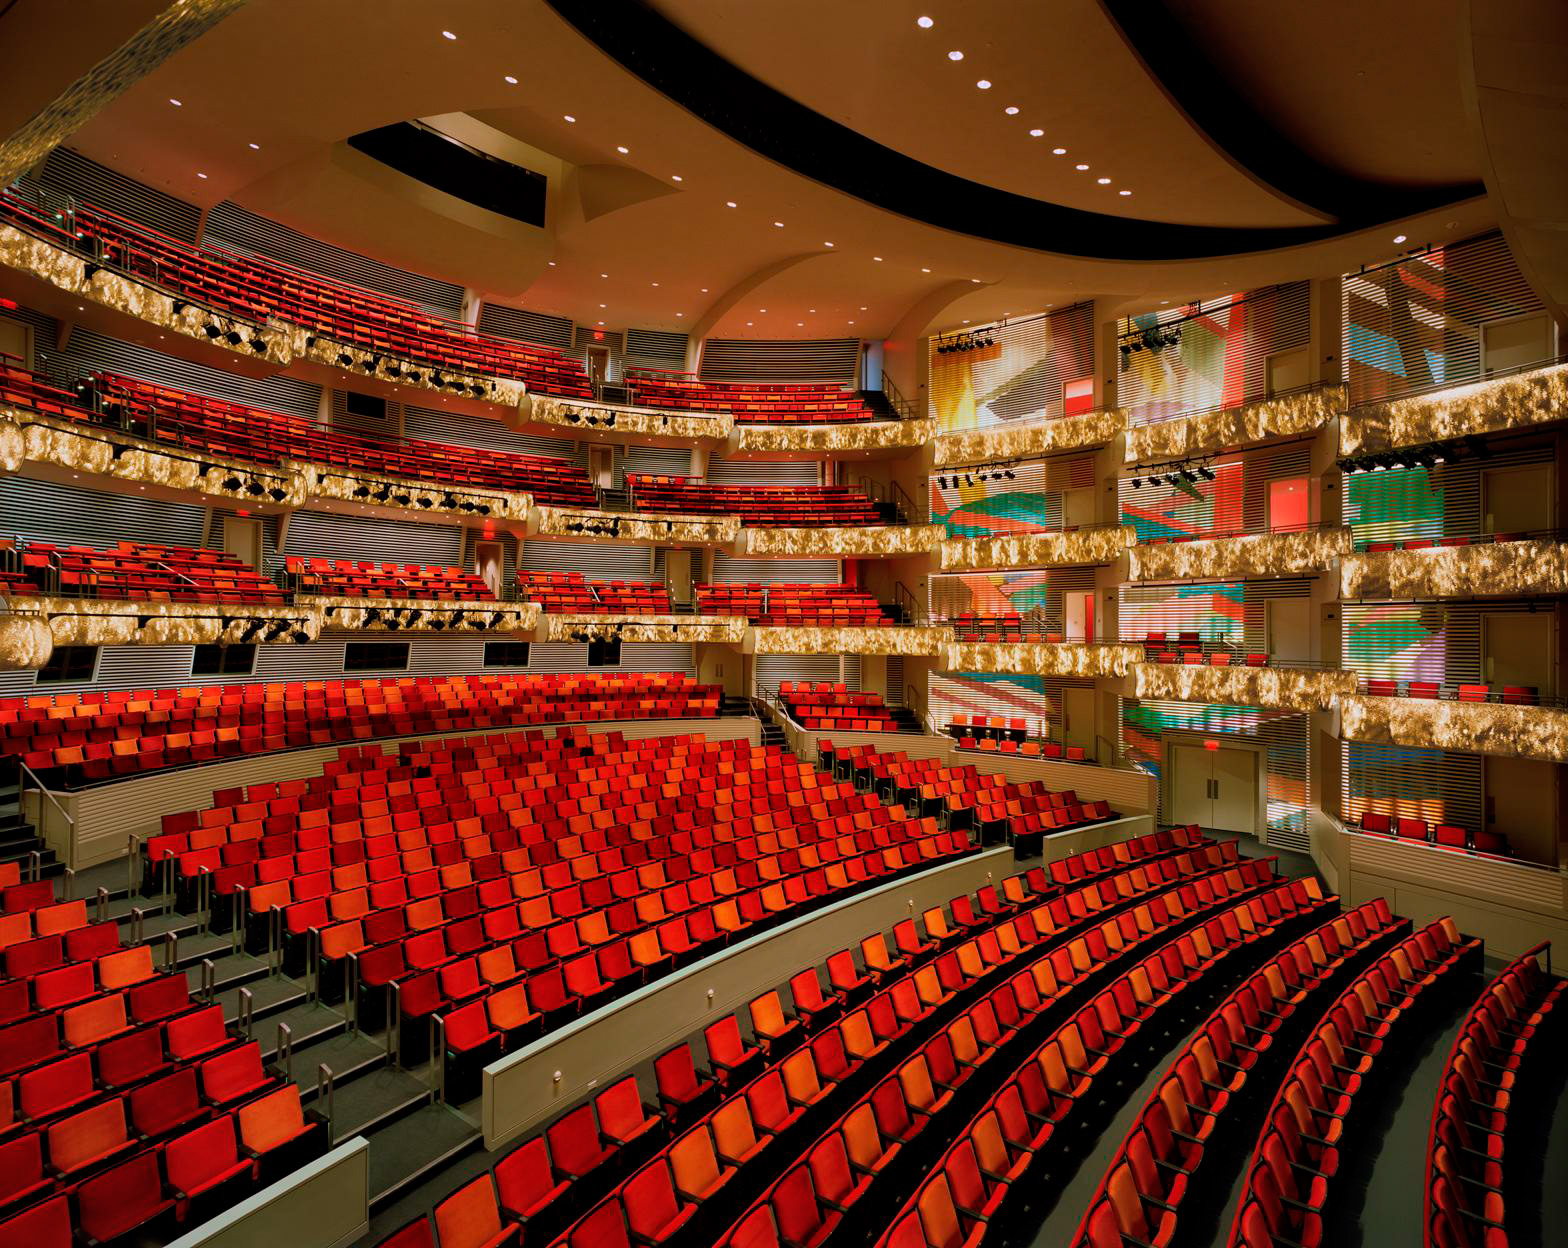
[
  {"x": 364, "y": 426},
  {"x": 93, "y": 184},
  {"x": 504, "y": 322},
  {"x": 1022, "y": 377},
  {"x": 230, "y": 226},
  {"x": 463, "y": 429},
  {"x": 782, "y": 359},
  {"x": 41, "y": 511},
  {"x": 90, "y": 352},
  {"x": 666, "y": 461},
  {"x": 763, "y": 472},
  {"x": 325, "y": 535},
  {"x": 1417, "y": 322},
  {"x": 654, "y": 348}
]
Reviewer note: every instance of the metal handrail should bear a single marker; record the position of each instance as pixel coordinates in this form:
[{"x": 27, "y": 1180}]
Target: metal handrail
[
  {"x": 286, "y": 1050},
  {"x": 246, "y": 1017},
  {"x": 1212, "y": 408},
  {"x": 21, "y": 791},
  {"x": 326, "y": 1089}
]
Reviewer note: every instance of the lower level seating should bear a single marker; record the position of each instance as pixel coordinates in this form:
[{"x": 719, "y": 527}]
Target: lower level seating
[
  {"x": 1444, "y": 835},
  {"x": 826, "y": 706},
  {"x": 570, "y": 593}
]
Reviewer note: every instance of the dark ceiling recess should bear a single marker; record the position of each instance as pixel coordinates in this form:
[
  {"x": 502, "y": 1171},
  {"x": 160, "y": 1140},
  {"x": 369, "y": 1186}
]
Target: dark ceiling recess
[
  {"x": 649, "y": 45},
  {"x": 465, "y": 172}
]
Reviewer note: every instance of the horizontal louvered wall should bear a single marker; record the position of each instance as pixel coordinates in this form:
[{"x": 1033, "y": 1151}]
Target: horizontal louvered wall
[
  {"x": 763, "y": 472},
  {"x": 526, "y": 326},
  {"x": 271, "y": 556},
  {"x": 598, "y": 561},
  {"x": 981, "y": 503},
  {"x": 1220, "y": 358},
  {"x": 464, "y": 429},
  {"x": 1038, "y": 700},
  {"x": 327, "y": 535},
  {"x": 1004, "y": 593},
  {"x": 1434, "y": 785},
  {"x": 232, "y": 227},
  {"x": 1423, "y": 640},
  {"x": 770, "y": 669},
  {"x": 655, "y": 461},
  {"x": 1022, "y": 376},
  {"x": 730, "y": 571},
  {"x": 1416, "y": 323},
  {"x": 90, "y": 352},
  {"x": 345, "y": 421},
  {"x": 93, "y": 184},
  {"x": 169, "y": 667},
  {"x": 1235, "y": 613},
  {"x": 654, "y": 348},
  {"x": 1400, "y": 504},
  {"x": 1236, "y": 501},
  {"x": 783, "y": 359},
  {"x": 43, "y": 511}
]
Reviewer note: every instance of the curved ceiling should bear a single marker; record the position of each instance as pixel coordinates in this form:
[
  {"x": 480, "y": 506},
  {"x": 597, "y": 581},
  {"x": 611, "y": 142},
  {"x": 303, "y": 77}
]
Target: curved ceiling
[{"x": 639, "y": 228}]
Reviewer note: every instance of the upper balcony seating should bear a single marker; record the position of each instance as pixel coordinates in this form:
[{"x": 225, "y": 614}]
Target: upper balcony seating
[
  {"x": 793, "y": 606},
  {"x": 96, "y": 736},
  {"x": 1428, "y": 690},
  {"x": 751, "y": 402},
  {"x": 241, "y": 432},
  {"x": 262, "y": 290},
  {"x": 569, "y": 593},
  {"x": 1444, "y": 835},
  {"x": 141, "y": 572},
  {"x": 339, "y": 578},
  {"x": 1432, "y": 543},
  {"x": 968, "y": 626},
  {"x": 760, "y": 506},
  {"x": 826, "y": 707}
]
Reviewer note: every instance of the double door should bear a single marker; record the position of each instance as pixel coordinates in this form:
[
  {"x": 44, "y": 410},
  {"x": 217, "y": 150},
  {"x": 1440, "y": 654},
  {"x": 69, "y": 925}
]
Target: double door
[{"x": 1214, "y": 788}]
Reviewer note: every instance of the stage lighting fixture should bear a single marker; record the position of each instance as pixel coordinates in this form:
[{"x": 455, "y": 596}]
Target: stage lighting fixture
[
  {"x": 1206, "y": 473},
  {"x": 362, "y": 491},
  {"x": 403, "y": 499},
  {"x": 1188, "y": 476},
  {"x": 257, "y": 345},
  {"x": 426, "y": 501},
  {"x": 310, "y": 341},
  {"x": 232, "y": 483},
  {"x": 90, "y": 270},
  {"x": 234, "y": 337},
  {"x": 278, "y": 493},
  {"x": 1137, "y": 483},
  {"x": 253, "y": 487},
  {"x": 177, "y": 306},
  {"x": 212, "y": 329},
  {"x": 394, "y": 371}
]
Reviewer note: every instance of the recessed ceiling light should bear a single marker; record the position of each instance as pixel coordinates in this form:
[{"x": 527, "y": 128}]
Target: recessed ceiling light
[
  {"x": 1058, "y": 151},
  {"x": 1103, "y": 181},
  {"x": 175, "y": 102},
  {"x": 704, "y": 290},
  {"x": 656, "y": 283},
  {"x": 827, "y": 244},
  {"x": 568, "y": 117},
  {"x": 604, "y": 275},
  {"x": 780, "y": 224},
  {"x": 511, "y": 80},
  {"x": 604, "y": 305},
  {"x": 925, "y": 270},
  {"x": 1399, "y": 238},
  {"x": 852, "y": 322},
  {"x": 1011, "y": 110},
  {"x": 955, "y": 55},
  {"x": 623, "y": 150},
  {"x": 862, "y": 307},
  {"x": 975, "y": 280},
  {"x": 202, "y": 176},
  {"x": 675, "y": 177},
  {"x": 680, "y": 314},
  {"x": 761, "y": 309},
  {"x": 984, "y": 84},
  {"x": 729, "y": 203},
  {"x": 925, "y": 23},
  {"x": 601, "y": 322},
  {"x": 1036, "y": 134},
  {"x": 749, "y": 324},
  {"x": 552, "y": 264},
  {"x": 1124, "y": 192},
  {"x": 1080, "y": 167},
  {"x": 447, "y": 34},
  {"x": 800, "y": 324},
  {"x": 878, "y": 259},
  {"x": 255, "y": 147},
  {"x": 813, "y": 311}
]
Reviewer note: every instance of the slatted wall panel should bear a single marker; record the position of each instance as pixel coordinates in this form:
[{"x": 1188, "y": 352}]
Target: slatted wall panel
[
  {"x": 1446, "y": 500},
  {"x": 598, "y": 561},
  {"x": 90, "y": 352},
  {"x": 782, "y": 359},
  {"x": 1236, "y": 501},
  {"x": 234, "y": 228},
  {"x": 1285, "y": 735},
  {"x": 658, "y": 461},
  {"x": 1017, "y": 498},
  {"x": 466, "y": 429},
  {"x": 386, "y": 426},
  {"x": 1008, "y": 593},
  {"x": 1435, "y": 785},
  {"x": 1417, "y": 322},
  {"x": 271, "y": 556},
  {"x": 895, "y": 680},
  {"x": 1039, "y": 701},
  {"x": 635, "y": 657},
  {"x": 730, "y": 571},
  {"x": 43, "y": 511},
  {"x": 526, "y": 326},
  {"x": 1219, "y": 356},
  {"x": 327, "y": 535},
  {"x": 656, "y": 348},
  {"x": 101, "y": 187},
  {"x": 1023, "y": 376},
  {"x": 763, "y": 472},
  {"x": 1423, "y": 640},
  {"x": 585, "y": 336},
  {"x": 43, "y": 327},
  {"x": 1234, "y": 613},
  {"x": 770, "y": 669}
]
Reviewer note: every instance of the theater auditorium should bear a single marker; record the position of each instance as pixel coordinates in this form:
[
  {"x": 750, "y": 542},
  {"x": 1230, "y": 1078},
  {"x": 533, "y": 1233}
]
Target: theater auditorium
[{"x": 699, "y": 624}]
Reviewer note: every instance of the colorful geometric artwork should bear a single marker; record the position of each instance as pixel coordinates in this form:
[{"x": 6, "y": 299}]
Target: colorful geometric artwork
[{"x": 1034, "y": 369}]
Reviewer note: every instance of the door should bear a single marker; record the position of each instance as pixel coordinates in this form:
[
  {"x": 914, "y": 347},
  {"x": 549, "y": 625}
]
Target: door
[
  {"x": 677, "y": 573},
  {"x": 601, "y": 466},
  {"x": 1078, "y": 718},
  {"x": 1079, "y": 611},
  {"x": 1517, "y": 650},
  {"x": 242, "y": 539},
  {"x": 1078, "y": 509},
  {"x": 1215, "y": 788},
  {"x": 598, "y": 364},
  {"x": 1517, "y": 500},
  {"x": 487, "y": 565},
  {"x": 1290, "y": 629}
]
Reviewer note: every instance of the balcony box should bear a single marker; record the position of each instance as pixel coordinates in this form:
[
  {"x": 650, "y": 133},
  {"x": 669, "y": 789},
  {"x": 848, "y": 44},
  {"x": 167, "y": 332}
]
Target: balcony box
[
  {"x": 1071, "y": 548},
  {"x": 1065, "y": 658},
  {"x": 1490, "y": 569},
  {"x": 1536, "y": 397},
  {"x": 1283, "y": 688},
  {"x": 1255, "y": 556},
  {"x": 1209, "y": 433},
  {"x": 1521, "y": 731}
]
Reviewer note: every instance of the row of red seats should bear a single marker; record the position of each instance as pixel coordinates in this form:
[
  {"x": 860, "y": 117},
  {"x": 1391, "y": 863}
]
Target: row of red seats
[
  {"x": 1429, "y": 543},
  {"x": 751, "y": 402},
  {"x": 1446, "y": 835},
  {"x": 260, "y": 290},
  {"x": 570, "y": 593},
  {"x": 131, "y": 732},
  {"x": 819, "y": 710},
  {"x": 143, "y": 572},
  {"x": 794, "y": 605},
  {"x": 342, "y": 578},
  {"x": 970, "y": 626},
  {"x": 1513, "y": 695},
  {"x": 1033, "y": 748},
  {"x": 1141, "y": 1195},
  {"x": 758, "y": 506},
  {"x": 908, "y": 1101},
  {"x": 1216, "y": 658},
  {"x": 994, "y": 1155},
  {"x": 1290, "y": 1178},
  {"x": 1501, "y": 1045}
]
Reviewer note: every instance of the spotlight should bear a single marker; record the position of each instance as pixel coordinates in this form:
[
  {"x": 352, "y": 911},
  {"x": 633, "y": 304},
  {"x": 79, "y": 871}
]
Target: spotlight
[
  {"x": 968, "y": 480},
  {"x": 1188, "y": 476},
  {"x": 362, "y": 491},
  {"x": 403, "y": 499},
  {"x": 414, "y": 377},
  {"x": 394, "y": 370},
  {"x": 1137, "y": 483},
  {"x": 253, "y": 487},
  {"x": 232, "y": 483},
  {"x": 278, "y": 493},
  {"x": 176, "y": 306},
  {"x": 345, "y": 359},
  {"x": 257, "y": 345},
  {"x": 90, "y": 270},
  {"x": 212, "y": 329},
  {"x": 1206, "y": 473},
  {"x": 234, "y": 337},
  {"x": 310, "y": 341},
  {"x": 1009, "y": 475}
]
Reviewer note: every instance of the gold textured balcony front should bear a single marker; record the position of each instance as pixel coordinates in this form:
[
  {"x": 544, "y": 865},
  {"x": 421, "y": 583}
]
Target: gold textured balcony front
[
  {"x": 1044, "y": 437},
  {"x": 587, "y": 525},
  {"x": 845, "y": 439},
  {"x": 1023, "y": 658},
  {"x": 614, "y": 421},
  {"x": 1285, "y": 688},
  {"x": 1473, "y": 727},
  {"x": 1208, "y": 433},
  {"x": 722, "y": 629},
  {"x": 415, "y": 615},
  {"x": 369, "y": 489},
  {"x": 928, "y": 642},
  {"x": 1073, "y": 548},
  {"x": 1244, "y": 556},
  {"x": 1479, "y": 571},
  {"x": 850, "y": 542},
  {"x": 1516, "y": 402}
]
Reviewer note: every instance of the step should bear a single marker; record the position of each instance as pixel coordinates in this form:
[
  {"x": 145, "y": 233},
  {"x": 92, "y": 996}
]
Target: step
[
  {"x": 309, "y": 1023},
  {"x": 350, "y": 1055},
  {"x": 409, "y": 1150},
  {"x": 374, "y": 1099},
  {"x": 269, "y": 996},
  {"x": 232, "y": 970}
]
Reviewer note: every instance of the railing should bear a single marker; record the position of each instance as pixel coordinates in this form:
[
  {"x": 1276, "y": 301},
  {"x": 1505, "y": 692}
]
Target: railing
[
  {"x": 1441, "y": 691},
  {"x": 904, "y": 599},
  {"x": 35, "y": 859},
  {"x": 1360, "y": 405},
  {"x": 1211, "y": 535},
  {"x": 1135, "y": 421},
  {"x": 1392, "y": 545},
  {"x": 900, "y": 405},
  {"x": 1417, "y": 843}
]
